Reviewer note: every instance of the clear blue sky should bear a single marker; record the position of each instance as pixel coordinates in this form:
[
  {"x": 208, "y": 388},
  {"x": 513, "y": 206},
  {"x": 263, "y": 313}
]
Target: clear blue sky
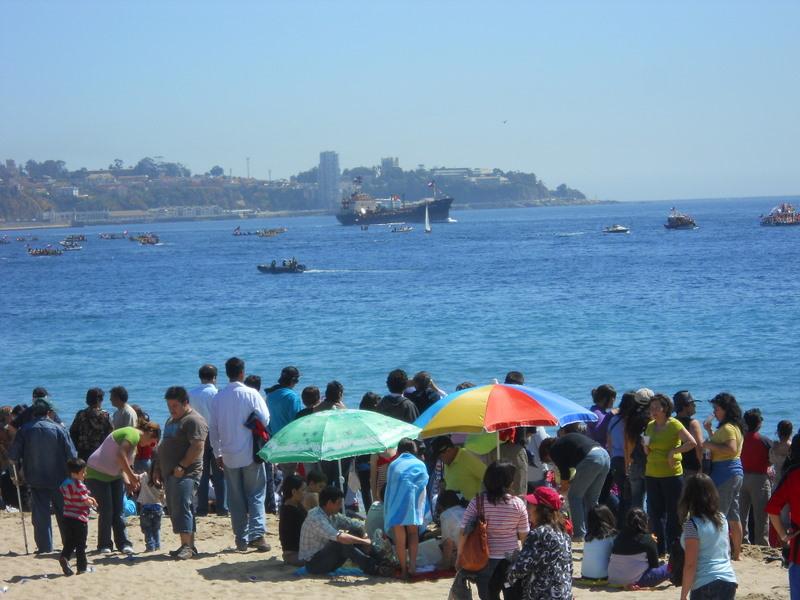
[{"x": 624, "y": 100}]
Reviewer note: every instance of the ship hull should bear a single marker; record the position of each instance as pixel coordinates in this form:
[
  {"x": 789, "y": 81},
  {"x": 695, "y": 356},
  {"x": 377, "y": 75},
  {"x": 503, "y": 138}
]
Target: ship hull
[{"x": 438, "y": 210}]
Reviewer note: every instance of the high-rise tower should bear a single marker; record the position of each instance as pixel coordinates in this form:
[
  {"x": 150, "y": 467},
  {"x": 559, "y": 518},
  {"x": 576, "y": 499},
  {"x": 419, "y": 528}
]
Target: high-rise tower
[{"x": 328, "y": 179}]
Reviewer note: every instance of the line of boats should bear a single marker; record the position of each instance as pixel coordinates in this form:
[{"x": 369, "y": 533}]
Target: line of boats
[{"x": 264, "y": 233}]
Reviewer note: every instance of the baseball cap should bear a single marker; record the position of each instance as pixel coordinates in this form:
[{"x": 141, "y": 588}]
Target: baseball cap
[
  {"x": 546, "y": 496},
  {"x": 681, "y": 400}
]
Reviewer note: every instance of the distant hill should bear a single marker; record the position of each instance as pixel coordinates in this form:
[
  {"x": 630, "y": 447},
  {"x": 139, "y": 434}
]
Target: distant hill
[{"x": 27, "y": 191}]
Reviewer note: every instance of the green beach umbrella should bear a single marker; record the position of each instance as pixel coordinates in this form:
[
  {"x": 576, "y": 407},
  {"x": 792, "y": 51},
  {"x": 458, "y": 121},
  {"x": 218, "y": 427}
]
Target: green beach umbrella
[{"x": 336, "y": 434}]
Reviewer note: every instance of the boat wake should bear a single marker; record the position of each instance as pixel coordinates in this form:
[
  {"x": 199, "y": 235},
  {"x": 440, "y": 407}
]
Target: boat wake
[
  {"x": 452, "y": 220},
  {"x": 570, "y": 234},
  {"x": 355, "y": 270}
]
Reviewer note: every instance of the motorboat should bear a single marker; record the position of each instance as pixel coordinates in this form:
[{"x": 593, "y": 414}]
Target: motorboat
[
  {"x": 287, "y": 266},
  {"x": 616, "y": 229}
]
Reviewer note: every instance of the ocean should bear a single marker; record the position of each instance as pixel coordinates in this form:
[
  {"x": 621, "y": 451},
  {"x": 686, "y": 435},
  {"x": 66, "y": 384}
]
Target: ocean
[{"x": 541, "y": 291}]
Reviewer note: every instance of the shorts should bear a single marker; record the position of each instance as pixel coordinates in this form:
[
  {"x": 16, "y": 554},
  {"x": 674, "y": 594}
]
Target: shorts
[{"x": 729, "y": 497}]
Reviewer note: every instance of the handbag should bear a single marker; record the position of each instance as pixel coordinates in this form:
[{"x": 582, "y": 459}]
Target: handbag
[{"x": 475, "y": 553}]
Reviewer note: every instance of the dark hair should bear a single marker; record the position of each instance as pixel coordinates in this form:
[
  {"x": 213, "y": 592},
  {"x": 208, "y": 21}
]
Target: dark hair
[
  {"x": 515, "y": 378},
  {"x": 178, "y": 393},
  {"x": 94, "y": 396},
  {"x": 422, "y": 380},
  {"x": 600, "y": 523},
  {"x": 665, "y": 403},
  {"x": 464, "y": 385},
  {"x": 118, "y": 392},
  {"x": 39, "y": 392},
  {"x": 604, "y": 395},
  {"x": 141, "y": 416},
  {"x": 289, "y": 376},
  {"x": 369, "y": 401},
  {"x": 234, "y": 368},
  {"x": 334, "y": 391},
  {"x": 636, "y": 522},
  {"x": 793, "y": 460},
  {"x": 397, "y": 381},
  {"x": 407, "y": 445},
  {"x": 547, "y": 516},
  {"x": 310, "y": 396},
  {"x": 753, "y": 419},
  {"x": 733, "y": 414},
  {"x": 316, "y": 476},
  {"x": 440, "y": 444},
  {"x": 448, "y": 499},
  {"x": 207, "y": 373},
  {"x": 253, "y": 381},
  {"x": 700, "y": 499},
  {"x": 544, "y": 449},
  {"x": 626, "y": 404},
  {"x": 497, "y": 480},
  {"x": 75, "y": 465},
  {"x": 784, "y": 429},
  {"x": 329, "y": 494},
  {"x": 290, "y": 484},
  {"x": 636, "y": 420}
]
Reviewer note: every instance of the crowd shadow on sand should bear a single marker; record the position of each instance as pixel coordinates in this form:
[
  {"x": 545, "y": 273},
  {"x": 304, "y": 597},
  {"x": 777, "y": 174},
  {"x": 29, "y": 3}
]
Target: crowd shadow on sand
[{"x": 274, "y": 570}]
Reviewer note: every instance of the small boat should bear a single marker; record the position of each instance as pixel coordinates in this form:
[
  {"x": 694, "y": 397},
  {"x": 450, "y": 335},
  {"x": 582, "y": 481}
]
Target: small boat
[
  {"x": 782, "y": 215},
  {"x": 75, "y": 237},
  {"x": 4, "y": 240},
  {"x": 427, "y": 220},
  {"x": 271, "y": 232},
  {"x": 677, "y": 220},
  {"x": 46, "y": 251},
  {"x": 402, "y": 229},
  {"x": 113, "y": 236},
  {"x": 68, "y": 244},
  {"x": 145, "y": 239},
  {"x": 287, "y": 266},
  {"x": 616, "y": 229}
]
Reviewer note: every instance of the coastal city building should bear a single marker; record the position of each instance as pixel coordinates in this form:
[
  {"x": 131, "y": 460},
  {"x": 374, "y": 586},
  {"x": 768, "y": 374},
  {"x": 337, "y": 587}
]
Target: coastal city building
[{"x": 328, "y": 179}]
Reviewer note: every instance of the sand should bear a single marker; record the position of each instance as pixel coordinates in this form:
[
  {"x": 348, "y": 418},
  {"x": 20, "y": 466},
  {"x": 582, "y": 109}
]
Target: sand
[{"x": 221, "y": 572}]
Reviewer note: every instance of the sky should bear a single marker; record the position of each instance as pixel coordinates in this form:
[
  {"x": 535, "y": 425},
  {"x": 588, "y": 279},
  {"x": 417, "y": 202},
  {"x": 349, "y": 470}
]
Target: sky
[{"x": 622, "y": 100}]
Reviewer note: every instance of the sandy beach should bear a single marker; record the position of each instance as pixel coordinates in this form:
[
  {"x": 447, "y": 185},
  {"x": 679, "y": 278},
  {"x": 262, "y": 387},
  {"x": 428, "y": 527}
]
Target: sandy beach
[{"x": 221, "y": 572}]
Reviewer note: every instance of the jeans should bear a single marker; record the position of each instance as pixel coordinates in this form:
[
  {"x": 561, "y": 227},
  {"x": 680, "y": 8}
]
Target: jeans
[
  {"x": 491, "y": 578},
  {"x": 794, "y": 581},
  {"x": 150, "y": 522},
  {"x": 663, "y": 494},
  {"x": 109, "y": 509},
  {"x": 716, "y": 590},
  {"x": 585, "y": 487},
  {"x": 270, "y": 505},
  {"x": 246, "y": 488},
  {"x": 180, "y": 503},
  {"x": 211, "y": 472},
  {"x": 620, "y": 478},
  {"x": 41, "y": 501},
  {"x": 636, "y": 485},
  {"x": 756, "y": 490},
  {"x": 652, "y": 577},
  {"x": 334, "y": 554},
  {"x": 73, "y": 533}
]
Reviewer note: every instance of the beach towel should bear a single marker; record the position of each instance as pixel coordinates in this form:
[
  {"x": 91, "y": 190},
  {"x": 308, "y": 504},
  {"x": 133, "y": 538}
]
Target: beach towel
[{"x": 405, "y": 501}]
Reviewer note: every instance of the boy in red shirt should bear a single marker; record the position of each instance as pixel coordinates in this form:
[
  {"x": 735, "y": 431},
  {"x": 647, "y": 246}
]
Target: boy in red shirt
[{"x": 75, "y": 526}]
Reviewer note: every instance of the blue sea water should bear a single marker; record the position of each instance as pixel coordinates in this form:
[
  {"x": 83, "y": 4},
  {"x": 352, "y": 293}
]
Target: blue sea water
[{"x": 542, "y": 291}]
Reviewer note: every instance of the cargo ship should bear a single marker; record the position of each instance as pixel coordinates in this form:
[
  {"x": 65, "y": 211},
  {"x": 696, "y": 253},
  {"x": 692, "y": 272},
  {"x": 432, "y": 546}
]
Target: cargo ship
[{"x": 362, "y": 209}]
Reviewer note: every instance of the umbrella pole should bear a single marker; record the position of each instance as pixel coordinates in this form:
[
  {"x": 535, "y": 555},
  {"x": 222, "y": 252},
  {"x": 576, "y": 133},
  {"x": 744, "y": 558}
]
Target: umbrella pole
[
  {"x": 341, "y": 481},
  {"x": 21, "y": 512},
  {"x": 498, "y": 444}
]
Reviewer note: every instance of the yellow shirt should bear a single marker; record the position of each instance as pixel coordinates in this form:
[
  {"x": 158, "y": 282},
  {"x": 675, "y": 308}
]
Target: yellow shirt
[
  {"x": 729, "y": 431},
  {"x": 465, "y": 474},
  {"x": 661, "y": 442}
]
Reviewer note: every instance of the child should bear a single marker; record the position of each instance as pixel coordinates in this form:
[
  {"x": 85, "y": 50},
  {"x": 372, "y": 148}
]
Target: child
[
  {"x": 151, "y": 498},
  {"x": 634, "y": 555},
  {"x": 292, "y": 515},
  {"x": 316, "y": 482},
  {"x": 310, "y": 398},
  {"x": 75, "y": 524},
  {"x": 601, "y": 532}
]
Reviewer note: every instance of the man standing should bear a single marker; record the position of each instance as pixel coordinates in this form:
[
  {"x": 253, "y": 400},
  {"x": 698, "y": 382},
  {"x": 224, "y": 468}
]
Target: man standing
[
  {"x": 201, "y": 398},
  {"x": 232, "y": 441},
  {"x": 44, "y": 447},
  {"x": 282, "y": 401},
  {"x": 125, "y": 416},
  {"x": 395, "y": 404},
  {"x": 180, "y": 462}
]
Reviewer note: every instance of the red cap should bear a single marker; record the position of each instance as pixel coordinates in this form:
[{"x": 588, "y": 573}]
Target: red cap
[{"x": 546, "y": 496}]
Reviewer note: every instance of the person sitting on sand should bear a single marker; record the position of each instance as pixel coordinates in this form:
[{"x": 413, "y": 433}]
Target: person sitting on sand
[
  {"x": 634, "y": 555},
  {"x": 315, "y": 481},
  {"x": 451, "y": 513},
  {"x": 328, "y": 540},
  {"x": 291, "y": 517},
  {"x": 601, "y": 531}
]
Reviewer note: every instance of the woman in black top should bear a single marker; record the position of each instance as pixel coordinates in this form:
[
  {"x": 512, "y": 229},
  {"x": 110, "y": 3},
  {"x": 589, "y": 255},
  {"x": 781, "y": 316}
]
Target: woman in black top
[
  {"x": 591, "y": 463},
  {"x": 291, "y": 517},
  {"x": 684, "y": 412}
]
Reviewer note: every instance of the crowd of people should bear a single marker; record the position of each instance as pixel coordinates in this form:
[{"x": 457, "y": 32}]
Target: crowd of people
[{"x": 644, "y": 481}]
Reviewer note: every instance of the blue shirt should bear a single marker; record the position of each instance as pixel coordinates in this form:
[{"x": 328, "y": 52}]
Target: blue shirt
[
  {"x": 284, "y": 404},
  {"x": 714, "y": 556},
  {"x": 616, "y": 431},
  {"x": 44, "y": 448}
]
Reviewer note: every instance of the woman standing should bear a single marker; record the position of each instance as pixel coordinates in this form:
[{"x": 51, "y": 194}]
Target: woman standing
[
  {"x": 109, "y": 471},
  {"x": 405, "y": 503},
  {"x": 707, "y": 570},
  {"x": 636, "y": 421},
  {"x": 727, "y": 474},
  {"x": 543, "y": 568},
  {"x": 91, "y": 425},
  {"x": 787, "y": 495},
  {"x": 665, "y": 440},
  {"x": 615, "y": 444},
  {"x": 506, "y": 523}
]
